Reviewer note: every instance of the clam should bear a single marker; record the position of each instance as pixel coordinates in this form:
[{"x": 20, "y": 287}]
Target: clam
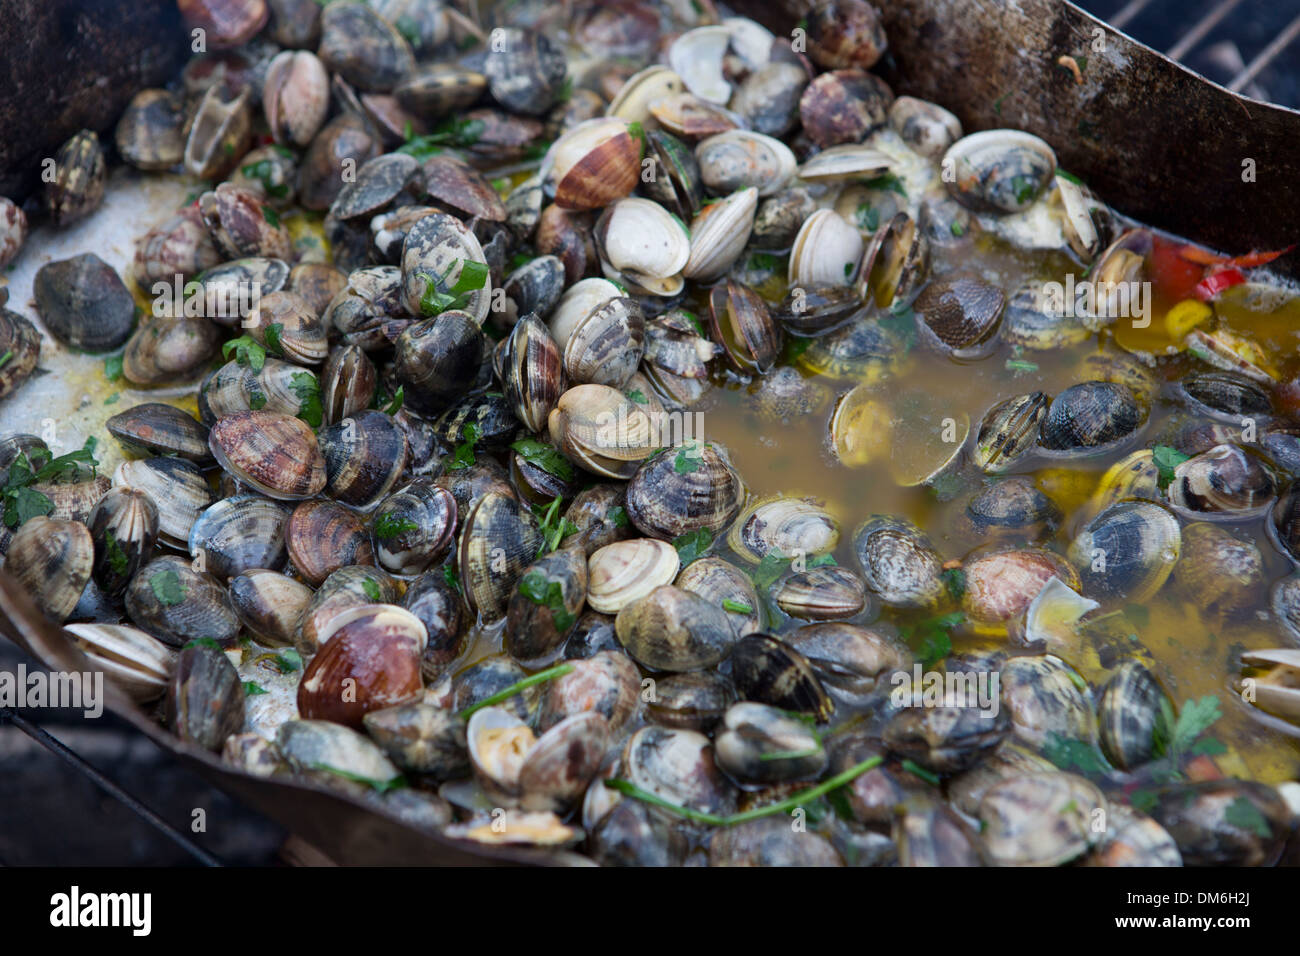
[
  {"x": 1043, "y": 699},
  {"x": 364, "y": 456},
  {"x": 642, "y": 90},
  {"x": 779, "y": 218},
  {"x": 593, "y": 164},
  {"x": 643, "y": 244},
  {"x": 692, "y": 117},
  {"x": 607, "y": 683},
  {"x": 848, "y": 161},
  {"x": 852, "y": 663},
  {"x": 740, "y": 322},
  {"x": 926, "y": 127},
  {"x": 225, "y": 23},
  {"x": 532, "y": 372},
  {"x": 437, "y": 360},
  {"x": 788, "y": 526},
  {"x": 497, "y": 542},
  {"x": 1227, "y": 481},
  {"x": 1218, "y": 572},
  {"x": 489, "y": 677},
  {"x": 958, "y": 315},
  {"x": 347, "y": 383},
  {"x": 229, "y": 290},
  {"x": 768, "y": 98},
  {"x": 322, "y": 536},
  {"x": 150, "y": 133},
  {"x": 727, "y": 585},
  {"x": 84, "y": 303},
  {"x": 372, "y": 298},
  {"x": 421, "y": 738},
  {"x": 124, "y": 527},
  {"x": 683, "y": 489},
  {"x": 843, "y": 33},
  {"x": 605, "y": 347},
  {"x": 624, "y": 572},
  {"x": 363, "y": 48},
  {"x": 346, "y": 142},
  {"x": 602, "y": 430},
  {"x": 677, "y": 766},
  {"x": 369, "y": 659},
  {"x": 243, "y": 225},
  {"x": 1000, "y": 586},
  {"x": 136, "y": 662},
  {"x": 827, "y": 252},
  {"x": 22, "y": 343},
  {"x": 163, "y": 349},
  {"x": 181, "y": 244},
  {"x": 239, "y": 533},
  {"x": 440, "y": 255},
  {"x": 844, "y": 106},
  {"x": 436, "y": 602},
  {"x": 999, "y": 170},
  {"x": 346, "y": 588},
  {"x": 1013, "y": 508},
  {"x": 287, "y": 326},
  {"x": 52, "y": 559},
  {"x": 895, "y": 263},
  {"x": 414, "y": 527},
  {"x": 1127, "y": 551},
  {"x": 719, "y": 233},
  {"x": 77, "y": 188},
  {"x": 1041, "y": 819},
  {"x": 545, "y": 606},
  {"x": 1009, "y": 430},
  {"x": 766, "y": 669},
  {"x": 205, "y": 697},
  {"x": 898, "y": 562},
  {"x": 1224, "y": 822},
  {"x": 295, "y": 97},
  {"x": 862, "y": 350},
  {"x": 697, "y": 57},
  {"x": 436, "y": 89},
  {"x": 177, "y": 488},
  {"x": 334, "y": 755},
  {"x": 536, "y": 773},
  {"x": 760, "y": 744},
  {"x": 525, "y": 70},
  {"x": 1129, "y": 715},
  {"x": 1034, "y": 322},
  {"x": 823, "y": 594},
  {"x": 1090, "y": 417},
  {"x": 274, "y": 453},
  {"x": 177, "y": 604},
  {"x": 674, "y": 630},
  {"x": 381, "y": 181},
  {"x": 269, "y": 604},
  {"x": 695, "y": 700},
  {"x": 947, "y": 738},
  {"x": 739, "y": 159}
]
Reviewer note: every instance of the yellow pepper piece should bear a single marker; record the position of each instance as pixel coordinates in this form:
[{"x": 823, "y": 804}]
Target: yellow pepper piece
[{"x": 1185, "y": 316}]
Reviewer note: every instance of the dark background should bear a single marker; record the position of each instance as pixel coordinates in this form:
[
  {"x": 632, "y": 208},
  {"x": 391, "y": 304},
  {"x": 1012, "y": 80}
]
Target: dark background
[{"x": 52, "y": 814}]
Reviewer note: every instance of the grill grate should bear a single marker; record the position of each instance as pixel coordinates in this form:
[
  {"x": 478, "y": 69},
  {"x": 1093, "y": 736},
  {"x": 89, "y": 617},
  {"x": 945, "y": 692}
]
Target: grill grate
[{"x": 1248, "y": 46}]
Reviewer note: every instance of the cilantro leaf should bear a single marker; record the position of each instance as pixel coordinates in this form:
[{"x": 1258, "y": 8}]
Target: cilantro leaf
[
  {"x": 167, "y": 587},
  {"x": 544, "y": 456},
  {"x": 692, "y": 545}
]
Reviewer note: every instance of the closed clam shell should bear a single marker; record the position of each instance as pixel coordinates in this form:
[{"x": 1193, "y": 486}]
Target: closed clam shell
[
  {"x": 627, "y": 571},
  {"x": 1134, "y": 839},
  {"x": 73, "y": 500},
  {"x": 1127, "y": 551},
  {"x": 176, "y": 486},
  {"x": 328, "y": 749},
  {"x": 766, "y": 669},
  {"x": 593, "y": 164},
  {"x": 346, "y": 588},
  {"x": 959, "y": 314},
  {"x": 674, "y": 630},
  {"x": 605, "y": 347},
  {"x": 684, "y": 489},
  {"x": 761, "y": 744},
  {"x": 205, "y": 697},
  {"x": 1000, "y": 586},
  {"x": 562, "y": 762},
  {"x": 1128, "y": 714},
  {"x": 51, "y": 559},
  {"x": 1042, "y": 696},
  {"x": 1042, "y": 819},
  {"x": 1225, "y": 481},
  {"x": 725, "y": 584},
  {"x": 362, "y": 47},
  {"x": 414, "y": 527},
  {"x": 1223, "y": 575},
  {"x": 946, "y": 738},
  {"x": 826, "y": 252},
  {"x": 789, "y": 526},
  {"x": 124, "y": 527},
  {"x": 138, "y": 663},
  {"x": 843, "y": 106},
  {"x": 421, "y": 738},
  {"x": 437, "y": 360},
  {"x": 999, "y": 170},
  {"x": 364, "y": 456},
  {"x": 323, "y": 536},
  {"x": 177, "y": 604},
  {"x": 851, "y": 662},
  {"x": 741, "y": 323},
  {"x": 927, "y": 127},
  {"x": 1013, "y": 508},
  {"x": 272, "y": 452},
  {"x": 160, "y": 429},
  {"x": 498, "y": 541},
  {"x": 719, "y": 233},
  {"x": 643, "y": 243},
  {"x": 1009, "y": 430},
  {"x": 288, "y": 326},
  {"x": 239, "y": 533},
  {"x": 437, "y": 250},
  {"x": 84, "y": 303},
  {"x": 269, "y": 604},
  {"x": 1090, "y": 416},
  {"x": 533, "y": 372},
  {"x": 768, "y": 98},
  {"x": 607, "y": 683},
  {"x": 740, "y": 158},
  {"x": 824, "y": 593},
  {"x": 695, "y": 700},
  {"x": 898, "y": 562},
  {"x": 347, "y": 384},
  {"x": 536, "y": 627}
]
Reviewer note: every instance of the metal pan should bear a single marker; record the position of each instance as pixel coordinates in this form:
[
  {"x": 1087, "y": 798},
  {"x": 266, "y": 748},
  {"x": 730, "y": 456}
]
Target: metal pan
[{"x": 1156, "y": 141}]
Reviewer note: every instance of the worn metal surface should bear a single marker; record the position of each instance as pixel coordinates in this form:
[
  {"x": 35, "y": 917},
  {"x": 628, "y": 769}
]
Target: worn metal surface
[
  {"x": 1153, "y": 139},
  {"x": 69, "y": 65}
]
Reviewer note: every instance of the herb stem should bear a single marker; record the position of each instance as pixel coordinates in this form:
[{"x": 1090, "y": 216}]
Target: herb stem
[
  {"x": 803, "y": 796},
  {"x": 541, "y": 677}
]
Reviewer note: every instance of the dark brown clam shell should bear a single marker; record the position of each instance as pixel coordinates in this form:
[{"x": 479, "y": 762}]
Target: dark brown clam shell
[
  {"x": 960, "y": 313},
  {"x": 323, "y": 536},
  {"x": 843, "y": 106}
]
